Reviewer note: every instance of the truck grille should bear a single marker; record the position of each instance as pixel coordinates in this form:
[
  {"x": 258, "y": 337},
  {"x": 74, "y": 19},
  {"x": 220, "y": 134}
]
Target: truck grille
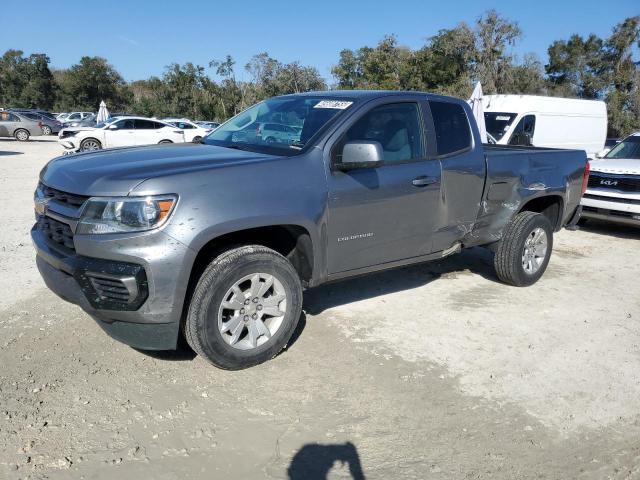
[
  {"x": 56, "y": 232},
  {"x": 63, "y": 197},
  {"x": 614, "y": 182}
]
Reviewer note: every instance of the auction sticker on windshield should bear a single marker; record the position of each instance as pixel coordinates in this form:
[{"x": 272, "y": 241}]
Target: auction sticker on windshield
[{"x": 337, "y": 104}]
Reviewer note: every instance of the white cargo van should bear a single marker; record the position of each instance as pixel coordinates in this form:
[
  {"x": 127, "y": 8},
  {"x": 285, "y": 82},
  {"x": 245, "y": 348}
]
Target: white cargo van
[{"x": 546, "y": 122}]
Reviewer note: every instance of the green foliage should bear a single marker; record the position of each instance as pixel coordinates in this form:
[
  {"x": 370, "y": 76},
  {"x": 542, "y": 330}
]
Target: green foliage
[
  {"x": 26, "y": 82},
  {"x": 86, "y": 84},
  {"x": 450, "y": 62}
]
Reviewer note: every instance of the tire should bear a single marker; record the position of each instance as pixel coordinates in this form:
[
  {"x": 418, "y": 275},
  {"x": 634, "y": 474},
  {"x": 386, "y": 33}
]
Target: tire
[
  {"x": 90, "y": 145},
  {"x": 197, "y": 139},
  {"x": 523, "y": 252},
  {"x": 164, "y": 142},
  {"x": 21, "y": 135},
  {"x": 46, "y": 130},
  {"x": 270, "y": 140},
  {"x": 208, "y": 316}
]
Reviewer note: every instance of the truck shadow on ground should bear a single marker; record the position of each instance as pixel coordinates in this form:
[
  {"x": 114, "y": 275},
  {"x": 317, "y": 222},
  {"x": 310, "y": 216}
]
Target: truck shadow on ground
[
  {"x": 314, "y": 461},
  {"x": 611, "y": 229},
  {"x": 477, "y": 261}
]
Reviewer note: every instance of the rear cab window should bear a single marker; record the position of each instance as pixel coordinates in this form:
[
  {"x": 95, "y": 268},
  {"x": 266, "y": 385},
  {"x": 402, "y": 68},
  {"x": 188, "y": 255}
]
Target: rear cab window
[{"x": 452, "y": 129}]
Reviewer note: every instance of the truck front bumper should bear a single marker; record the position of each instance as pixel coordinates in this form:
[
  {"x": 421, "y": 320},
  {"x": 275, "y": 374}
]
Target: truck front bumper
[
  {"x": 612, "y": 209},
  {"x": 133, "y": 287}
]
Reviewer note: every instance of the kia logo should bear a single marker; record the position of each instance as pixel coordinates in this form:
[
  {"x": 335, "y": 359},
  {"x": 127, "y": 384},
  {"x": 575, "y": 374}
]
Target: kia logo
[{"x": 609, "y": 183}]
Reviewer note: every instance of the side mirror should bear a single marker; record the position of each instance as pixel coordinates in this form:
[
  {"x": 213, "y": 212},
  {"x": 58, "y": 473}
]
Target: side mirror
[
  {"x": 521, "y": 139},
  {"x": 360, "y": 154},
  {"x": 112, "y": 127}
]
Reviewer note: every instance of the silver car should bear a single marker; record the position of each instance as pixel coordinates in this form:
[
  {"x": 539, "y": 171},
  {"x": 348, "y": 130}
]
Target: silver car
[{"x": 15, "y": 125}]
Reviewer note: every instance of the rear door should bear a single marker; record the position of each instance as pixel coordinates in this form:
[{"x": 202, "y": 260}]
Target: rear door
[
  {"x": 384, "y": 213},
  {"x": 463, "y": 172},
  {"x": 148, "y": 132}
]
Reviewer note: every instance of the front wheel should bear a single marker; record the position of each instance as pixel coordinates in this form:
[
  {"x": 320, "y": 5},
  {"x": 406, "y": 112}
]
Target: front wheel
[
  {"x": 244, "y": 308},
  {"x": 523, "y": 252},
  {"x": 164, "y": 142},
  {"x": 21, "y": 135},
  {"x": 90, "y": 144}
]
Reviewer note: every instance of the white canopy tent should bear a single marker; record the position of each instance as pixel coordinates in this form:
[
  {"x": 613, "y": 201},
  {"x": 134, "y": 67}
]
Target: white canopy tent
[
  {"x": 103, "y": 113},
  {"x": 478, "y": 110}
]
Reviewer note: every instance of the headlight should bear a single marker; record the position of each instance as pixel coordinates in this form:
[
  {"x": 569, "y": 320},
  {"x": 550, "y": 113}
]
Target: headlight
[{"x": 125, "y": 214}]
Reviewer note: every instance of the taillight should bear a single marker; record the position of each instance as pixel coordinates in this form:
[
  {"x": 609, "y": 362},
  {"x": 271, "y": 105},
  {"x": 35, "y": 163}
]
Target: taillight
[
  {"x": 40, "y": 124},
  {"x": 585, "y": 177},
  {"x": 259, "y": 131}
]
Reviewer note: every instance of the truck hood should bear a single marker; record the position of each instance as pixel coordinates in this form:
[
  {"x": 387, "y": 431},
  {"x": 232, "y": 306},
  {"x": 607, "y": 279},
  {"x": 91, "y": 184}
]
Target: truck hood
[
  {"x": 619, "y": 166},
  {"x": 116, "y": 172}
]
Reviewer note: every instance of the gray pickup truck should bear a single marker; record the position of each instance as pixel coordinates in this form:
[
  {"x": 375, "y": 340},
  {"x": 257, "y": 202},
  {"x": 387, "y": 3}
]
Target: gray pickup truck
[{"x": 215, "y": 242}]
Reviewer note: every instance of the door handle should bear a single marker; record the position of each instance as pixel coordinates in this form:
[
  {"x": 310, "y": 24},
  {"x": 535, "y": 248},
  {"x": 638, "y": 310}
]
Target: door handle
[{"x": 423, "y": 181}]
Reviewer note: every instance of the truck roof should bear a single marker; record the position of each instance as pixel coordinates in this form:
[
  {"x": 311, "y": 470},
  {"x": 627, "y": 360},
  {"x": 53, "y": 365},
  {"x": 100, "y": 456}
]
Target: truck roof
[{"x": 368, "y": 94}]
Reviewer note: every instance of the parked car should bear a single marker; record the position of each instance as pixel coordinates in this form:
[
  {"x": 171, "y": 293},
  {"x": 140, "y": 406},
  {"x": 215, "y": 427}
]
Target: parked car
[
  {"x": 613, "y": 192},
  {"x": 192, "y": 131},
  {"x": 546, "y": 122},
  {"x": 75, "y": 116},
  {"x": 268, "y": 133},
  {"x": 224, "y": 235},
  {"x": 119, "y": 132},
  {"x": 89, "y": 121},
  {"x": 15, "y": 125},
  {"x": 49, "y": 124},
  {"x": 62, "y": 116}
]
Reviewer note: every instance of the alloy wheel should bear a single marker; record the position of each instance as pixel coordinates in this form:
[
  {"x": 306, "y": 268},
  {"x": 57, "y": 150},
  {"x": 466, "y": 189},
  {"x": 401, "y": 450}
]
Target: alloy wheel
[{"x": 252, "y": 311}]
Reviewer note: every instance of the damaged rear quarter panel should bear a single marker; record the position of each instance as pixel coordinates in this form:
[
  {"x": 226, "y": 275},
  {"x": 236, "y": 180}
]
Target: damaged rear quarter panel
[{"x": 515, "y": 177}]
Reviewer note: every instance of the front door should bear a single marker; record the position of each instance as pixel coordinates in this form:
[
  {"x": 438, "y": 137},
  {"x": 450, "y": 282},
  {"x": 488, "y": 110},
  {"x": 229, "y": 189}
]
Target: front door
[
  {"x": 122, "y": 136},
  {"x": 385, "y": 213}
]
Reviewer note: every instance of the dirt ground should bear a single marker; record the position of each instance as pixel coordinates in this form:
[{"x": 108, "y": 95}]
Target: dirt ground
[{"x": 429, "y": 372}]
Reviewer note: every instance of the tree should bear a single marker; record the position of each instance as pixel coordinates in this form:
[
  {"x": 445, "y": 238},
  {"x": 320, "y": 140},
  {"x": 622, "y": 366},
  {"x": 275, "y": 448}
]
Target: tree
[
  {"x": 86, "y": 84},
  {"x": 494, "y": 35},
  {"x": 576, "y": 66},
  {"x": 623, "y": 97},
  {"x": 26, "y": 82}
]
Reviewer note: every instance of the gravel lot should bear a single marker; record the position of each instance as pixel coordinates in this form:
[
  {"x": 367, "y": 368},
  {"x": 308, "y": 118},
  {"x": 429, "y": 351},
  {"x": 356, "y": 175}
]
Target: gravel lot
[{"x": 433, "y": 371}]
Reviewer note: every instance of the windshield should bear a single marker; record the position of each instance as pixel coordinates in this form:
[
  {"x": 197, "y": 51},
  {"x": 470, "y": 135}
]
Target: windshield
[
  {"x": 497, "y": 123},
  {"x": 281, "y": 125},
  {"x": 106, "y": 122},
  {"x": 628, "y": 148}
]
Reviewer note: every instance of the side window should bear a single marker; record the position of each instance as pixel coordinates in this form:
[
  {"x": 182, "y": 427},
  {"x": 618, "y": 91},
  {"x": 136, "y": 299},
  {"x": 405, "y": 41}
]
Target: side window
[
  {"x": 125, "y": 125},
  {"x": 526, "y": 125},
  {"x": 396, "y": 126},
  {"x": 184, "y": 126},
  {"x": 7, "y": 117},
  {"x": 451, "y": 124},
  {"x": 145, "y": 124}
]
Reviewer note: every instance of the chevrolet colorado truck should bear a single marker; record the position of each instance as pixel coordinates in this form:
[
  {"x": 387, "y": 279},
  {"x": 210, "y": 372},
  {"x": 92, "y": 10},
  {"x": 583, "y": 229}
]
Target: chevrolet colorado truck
[
  {"x": 613, "y": 192},
  {"x": 215, "y": 242}
]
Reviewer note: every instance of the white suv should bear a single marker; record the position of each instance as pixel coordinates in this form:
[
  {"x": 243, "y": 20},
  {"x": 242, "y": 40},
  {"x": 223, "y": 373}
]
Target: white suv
[
  {"x": 613, "y": 192},
  {"x": 119, "y": 132}
]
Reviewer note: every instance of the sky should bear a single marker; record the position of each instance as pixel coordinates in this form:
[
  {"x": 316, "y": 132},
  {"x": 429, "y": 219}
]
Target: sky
[{"x": 140, "y": 38}]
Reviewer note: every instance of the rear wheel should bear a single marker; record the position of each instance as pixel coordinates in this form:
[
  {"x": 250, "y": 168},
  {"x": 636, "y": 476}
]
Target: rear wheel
[
  {"x": 90, "y": 144},
  {"x": 197, "y": 139},
  {"x": 523, "y": 253},
  {"x": 21, "y": 135},
  {"x": 244, "y": 308},
  {"x": 46, "y": 130}
]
